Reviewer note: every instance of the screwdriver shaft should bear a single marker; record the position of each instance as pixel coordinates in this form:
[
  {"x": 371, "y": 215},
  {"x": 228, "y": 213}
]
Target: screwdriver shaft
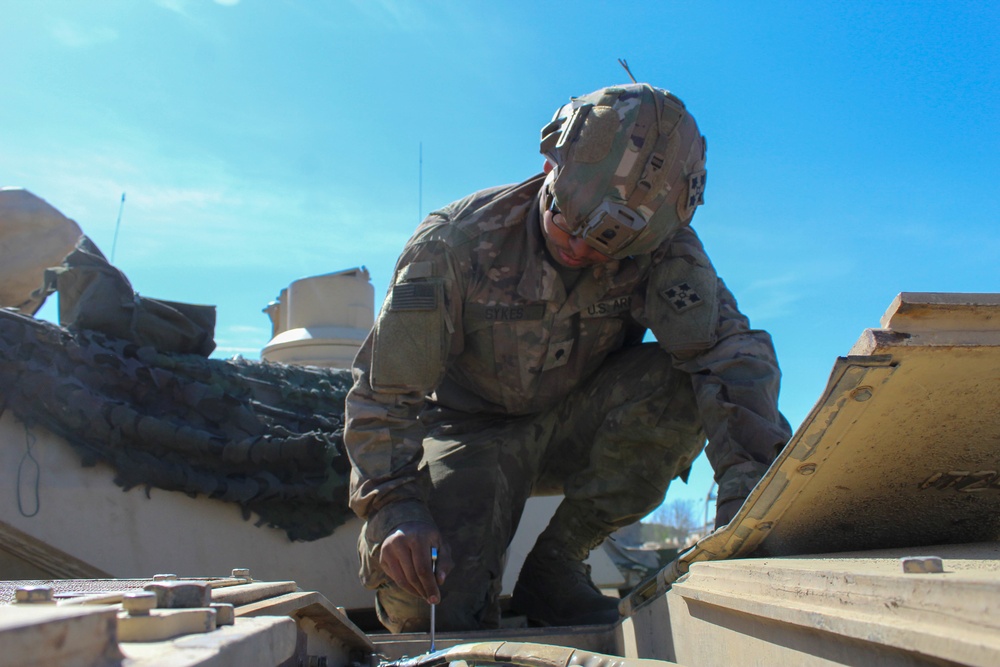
[{"x": 434, "y": 569}]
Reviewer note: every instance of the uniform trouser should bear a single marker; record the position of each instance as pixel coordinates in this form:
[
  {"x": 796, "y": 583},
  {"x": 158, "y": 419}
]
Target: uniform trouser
[{"x": 612, "y": 447}]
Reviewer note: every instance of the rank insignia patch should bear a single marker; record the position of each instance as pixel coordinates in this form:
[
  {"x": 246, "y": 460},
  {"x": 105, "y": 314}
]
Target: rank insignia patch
[{"x": 682, "y": 297}]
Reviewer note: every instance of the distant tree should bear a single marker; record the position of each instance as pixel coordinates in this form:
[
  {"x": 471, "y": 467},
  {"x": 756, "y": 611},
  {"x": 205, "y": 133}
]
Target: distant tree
[
  {"x": 679, "y": 516},
  {"x": 656, "y": 533}
]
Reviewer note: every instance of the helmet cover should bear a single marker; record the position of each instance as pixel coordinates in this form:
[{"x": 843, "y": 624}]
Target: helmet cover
[{"x": 629, "y": 167}]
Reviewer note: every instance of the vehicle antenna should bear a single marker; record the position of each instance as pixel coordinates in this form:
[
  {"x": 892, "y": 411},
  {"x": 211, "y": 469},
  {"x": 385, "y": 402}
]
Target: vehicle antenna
[
  {"x": 118, "y": 224},
  {"x": 623, "y": 63},
  {"x": 709, "y": 497}
]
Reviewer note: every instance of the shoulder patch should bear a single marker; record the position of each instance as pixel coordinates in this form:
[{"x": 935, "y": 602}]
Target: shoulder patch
[{"x": 682, "y": 297}]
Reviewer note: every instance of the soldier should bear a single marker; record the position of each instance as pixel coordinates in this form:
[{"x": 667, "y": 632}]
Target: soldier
[{"x": 507, "y": 361}]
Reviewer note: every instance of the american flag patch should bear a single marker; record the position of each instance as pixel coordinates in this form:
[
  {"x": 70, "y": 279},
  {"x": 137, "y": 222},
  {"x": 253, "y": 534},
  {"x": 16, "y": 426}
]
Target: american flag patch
[{"x": 413, "y": 296}]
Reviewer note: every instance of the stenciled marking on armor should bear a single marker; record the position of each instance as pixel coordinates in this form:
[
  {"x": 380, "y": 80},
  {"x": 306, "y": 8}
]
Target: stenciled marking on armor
[
  {"x": 616, "y": 306},
  {"x": 963, "y": 481},
  {"x": 682, "y": 297},
  {"x": 413, "y": 296},
  {"x": 506, "y": 313}
]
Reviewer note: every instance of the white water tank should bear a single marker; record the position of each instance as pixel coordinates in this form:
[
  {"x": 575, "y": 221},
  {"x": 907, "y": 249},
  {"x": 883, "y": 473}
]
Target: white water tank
[{"x": 321, "y": 320}]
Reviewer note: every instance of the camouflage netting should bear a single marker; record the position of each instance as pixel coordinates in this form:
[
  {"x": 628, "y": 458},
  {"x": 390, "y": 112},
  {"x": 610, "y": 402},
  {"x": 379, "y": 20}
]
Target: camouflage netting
[{"x": 266, "y": 436}]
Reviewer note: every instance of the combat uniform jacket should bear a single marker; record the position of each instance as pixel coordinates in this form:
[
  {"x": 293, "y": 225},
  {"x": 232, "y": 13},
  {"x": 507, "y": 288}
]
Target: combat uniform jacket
[{"x": 479, "y": 322}]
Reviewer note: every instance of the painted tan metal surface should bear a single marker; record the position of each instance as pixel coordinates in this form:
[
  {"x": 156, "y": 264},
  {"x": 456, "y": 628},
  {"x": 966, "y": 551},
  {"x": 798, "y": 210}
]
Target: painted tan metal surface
[
  {"x": 252, "y": 641},
  {"x": 33, "y": 237},
  {"x": 321, "y": 320},
  {"x": 902, "y": 449},
  {"x": 112, "y": 622},
  {"x": 51, "y": 635},
  {"x": 162, "y": 624},
  {"x": 326, "y": 630},
  {"x": 894, "y": 476},
  {"x": 856, "y": 609}
]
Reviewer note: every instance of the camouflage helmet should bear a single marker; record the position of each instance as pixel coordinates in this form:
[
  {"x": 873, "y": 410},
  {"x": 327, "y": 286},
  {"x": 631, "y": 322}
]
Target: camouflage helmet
[{"x": 629, "y": 167}]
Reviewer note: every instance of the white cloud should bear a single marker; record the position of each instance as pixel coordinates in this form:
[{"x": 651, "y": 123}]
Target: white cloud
[
  {"x": 196, "y": 209},
  {"x": 75, "y": 36},
  {"x": 406, "y": 15},
  {"x": 776, "y": 296},
  {"x": 179, "y": 6},
  {"x": 245, "y": 329}
]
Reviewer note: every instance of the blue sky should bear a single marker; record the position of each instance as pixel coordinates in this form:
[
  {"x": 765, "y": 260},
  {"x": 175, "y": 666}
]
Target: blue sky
[{"x": 853, "y": 146}]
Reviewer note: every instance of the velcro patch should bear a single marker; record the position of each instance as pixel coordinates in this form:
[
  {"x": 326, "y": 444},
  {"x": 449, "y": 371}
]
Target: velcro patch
[
  {"x": 416, "y": 271},
  {"x": 413, "y": 296},
  {"x": 682, "y": 297}
]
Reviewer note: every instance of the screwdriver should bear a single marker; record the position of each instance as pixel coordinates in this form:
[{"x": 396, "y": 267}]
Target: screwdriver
[{"x": 434, "y": 569}]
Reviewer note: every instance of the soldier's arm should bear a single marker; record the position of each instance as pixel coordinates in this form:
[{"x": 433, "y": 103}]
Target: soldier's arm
[
  {"x": 403, "y": 360},
  {"x": 734, "y": 368}
]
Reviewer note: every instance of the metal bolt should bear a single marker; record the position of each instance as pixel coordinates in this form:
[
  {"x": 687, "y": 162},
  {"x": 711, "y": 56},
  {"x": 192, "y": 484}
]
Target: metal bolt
[
  {"x": 807, "y": 469},
  {"x": 164, "y": 577},
  {"x": 861, "y": 394},
  {"x": 225, "y": 613},
  {"x": 764, "y": 526},
  {"x": 181, "y": 594},
  {"x": 33, "y": 594},
  {"x": 241, "y": 573},
  {"x": 139, "y": 603},
  {"x": 922, "y": 565}
]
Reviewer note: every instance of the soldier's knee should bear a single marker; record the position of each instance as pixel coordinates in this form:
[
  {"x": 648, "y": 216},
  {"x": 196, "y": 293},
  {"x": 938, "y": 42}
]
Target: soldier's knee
[
  {"x": 400, "y": 611},
  {"x": 464, "y": 606}
]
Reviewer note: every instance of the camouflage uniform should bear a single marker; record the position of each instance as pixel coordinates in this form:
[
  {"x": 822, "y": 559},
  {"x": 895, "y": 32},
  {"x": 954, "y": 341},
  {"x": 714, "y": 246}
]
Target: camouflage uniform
[{"x": 486, "y": 380}]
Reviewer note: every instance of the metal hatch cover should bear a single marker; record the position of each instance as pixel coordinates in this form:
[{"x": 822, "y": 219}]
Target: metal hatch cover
[{"x": 901, "y": 450}]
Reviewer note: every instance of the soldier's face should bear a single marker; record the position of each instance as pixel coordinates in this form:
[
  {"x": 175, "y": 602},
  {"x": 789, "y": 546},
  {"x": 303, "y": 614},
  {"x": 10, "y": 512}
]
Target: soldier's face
[{"x": 570, "y": 251}]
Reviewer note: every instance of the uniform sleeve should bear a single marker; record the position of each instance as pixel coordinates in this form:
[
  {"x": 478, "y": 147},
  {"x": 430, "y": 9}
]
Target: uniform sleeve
[
  {"x": 733, "y": 368},
  {"x": 402, "y": 361}
]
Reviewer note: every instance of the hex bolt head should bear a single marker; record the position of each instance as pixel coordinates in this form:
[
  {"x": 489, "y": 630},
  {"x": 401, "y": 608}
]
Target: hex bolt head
[
  {"x": 225, "y": 613},
  {"x": 861, "y": 394},
  {"x": 807, "y": 469},
  {"x": 181, "y": 594},
  {"x": 139, "y": 603},
  {"x": 241, "y": 573},
  {"x": 33, "y": 594},
  {"x": 922, "y": 565}
]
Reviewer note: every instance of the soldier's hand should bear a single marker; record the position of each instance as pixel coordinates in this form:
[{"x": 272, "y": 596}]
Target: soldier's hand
[{"x": 406, "y": 557}]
